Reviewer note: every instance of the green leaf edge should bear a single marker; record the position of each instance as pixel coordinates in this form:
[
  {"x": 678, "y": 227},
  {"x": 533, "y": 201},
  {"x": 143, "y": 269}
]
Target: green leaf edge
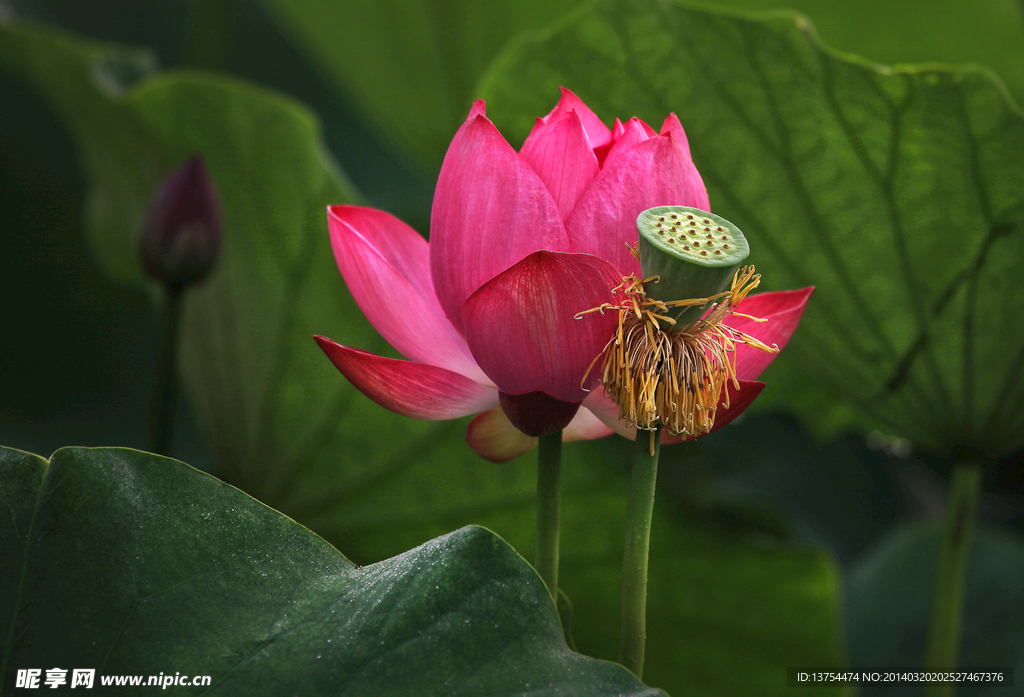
[{"x": 799, "y": 19}]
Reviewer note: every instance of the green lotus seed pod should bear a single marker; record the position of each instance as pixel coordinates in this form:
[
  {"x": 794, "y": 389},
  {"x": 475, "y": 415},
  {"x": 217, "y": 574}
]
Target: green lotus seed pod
[{"x": 694, "y": 252}]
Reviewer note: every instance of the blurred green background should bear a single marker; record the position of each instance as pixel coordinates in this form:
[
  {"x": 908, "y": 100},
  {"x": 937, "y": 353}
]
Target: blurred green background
[{"x": 833, "y": 527}]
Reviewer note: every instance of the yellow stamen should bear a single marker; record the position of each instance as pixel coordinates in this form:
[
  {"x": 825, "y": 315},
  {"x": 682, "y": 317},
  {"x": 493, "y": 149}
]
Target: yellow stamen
[{"x": 673, "y": 379}]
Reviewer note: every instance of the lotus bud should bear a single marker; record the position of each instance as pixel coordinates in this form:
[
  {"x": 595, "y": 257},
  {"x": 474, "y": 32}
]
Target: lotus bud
[{"x": 180, "y": 238}]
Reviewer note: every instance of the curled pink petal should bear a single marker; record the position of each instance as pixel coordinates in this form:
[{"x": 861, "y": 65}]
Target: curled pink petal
[
  {"x": 783, "y": 310},
  {"x": 562, "y": 157},
  {"x": 385, "y": 264},
  {"x": 521, "y": 325},
  {"x": 490, "y": 210},
  {"x": 411, "y": 389},
  {"x": 657, "y": 172},
  {"x": 597, "y": 133}
]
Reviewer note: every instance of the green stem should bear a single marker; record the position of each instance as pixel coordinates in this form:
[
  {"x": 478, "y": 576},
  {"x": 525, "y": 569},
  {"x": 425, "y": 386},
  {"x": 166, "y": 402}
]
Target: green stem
[
  {"x": 633, "y": 636},
  {"x": 164, "y": 399},
  {"x": 950, "y": 573},
  {"x": 549, "y": 497}
]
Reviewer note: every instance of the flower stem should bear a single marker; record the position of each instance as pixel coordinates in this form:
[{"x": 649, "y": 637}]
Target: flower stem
[
  {"x": 950, "y": 574},
  {"x": 633, "y": 636},
  {"x": 164, "y": 399},
  {"x": 549, "y": 472}
]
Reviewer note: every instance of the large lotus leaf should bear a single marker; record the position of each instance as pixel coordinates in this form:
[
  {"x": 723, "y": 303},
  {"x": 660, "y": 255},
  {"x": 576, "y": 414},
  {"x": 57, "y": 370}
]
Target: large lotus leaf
[
  {"x": 134, "y": 564},
  {"x": 988, "y": 33},
  {"x": 899, "y": 193},
  {"x": 290, "y": 430},
  {"x": 412, "y": 64}
]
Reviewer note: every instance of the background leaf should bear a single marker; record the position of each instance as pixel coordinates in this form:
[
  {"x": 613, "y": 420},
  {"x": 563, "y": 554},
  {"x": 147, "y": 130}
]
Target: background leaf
[
  {"x": 438, "y": 50},
  {"x": 87, "y": 81},
  {"x": 137, "y": 564},
  {"x": 888, "y": 614},
  {"x": 413, "y": 64},
  {"x": 989, "y": 33},
  {"x": 289, "y": 429},
  {"x": 898, "y": 193}
]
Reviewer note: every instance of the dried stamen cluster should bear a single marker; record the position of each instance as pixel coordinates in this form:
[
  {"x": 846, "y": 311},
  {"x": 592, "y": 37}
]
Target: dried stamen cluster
[{"x": 673, "y": 378}]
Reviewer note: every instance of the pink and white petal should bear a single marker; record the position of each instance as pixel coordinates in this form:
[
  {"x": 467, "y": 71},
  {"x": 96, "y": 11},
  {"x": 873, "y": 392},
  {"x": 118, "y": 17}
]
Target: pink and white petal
[
  {"x": 607, "y": 412},
  {"x": 560, "y": 154},
  {"x": 493, "y": 437},
  {"x": 490, "y": 210},
  {"x": 408, "y": 388},
  {"x": 673, "y": 127},
  {"x": 597, "y": 133},
  {"x": 783, "y": 310},
  {"x": 522, "y": 330},
  {"x": 585, "y": 426},
  {"x": 385, "y": 264},
  {"x": 657, "y": 172}
]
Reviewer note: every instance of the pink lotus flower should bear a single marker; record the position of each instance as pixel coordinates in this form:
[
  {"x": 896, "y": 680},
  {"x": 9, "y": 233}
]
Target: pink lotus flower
[{"x": 520, "y": 243}]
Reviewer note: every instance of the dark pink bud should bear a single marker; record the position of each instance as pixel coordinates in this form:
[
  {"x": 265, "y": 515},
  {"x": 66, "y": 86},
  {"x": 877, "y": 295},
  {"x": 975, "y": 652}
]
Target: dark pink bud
[{"x": 180, "y": 237}]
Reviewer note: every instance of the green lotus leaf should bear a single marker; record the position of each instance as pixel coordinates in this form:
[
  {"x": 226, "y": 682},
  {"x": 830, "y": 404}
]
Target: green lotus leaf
[{"x": 134, "y": 564}]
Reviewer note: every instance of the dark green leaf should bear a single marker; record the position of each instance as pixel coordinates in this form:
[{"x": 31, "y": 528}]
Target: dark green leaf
[
  {"x": 898, "y": 193},
  {"x": 22, "y": 478},
  {"x": 141, "y": 565}
]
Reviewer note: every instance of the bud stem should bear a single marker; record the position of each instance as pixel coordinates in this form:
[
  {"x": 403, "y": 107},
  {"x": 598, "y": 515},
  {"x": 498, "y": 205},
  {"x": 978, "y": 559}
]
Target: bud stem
[
  {"x": 633, "y": 636},
  {"x": 164, "y": 398},
  {"x": 950, "y": 574},
  {"x": 549, "y": 472}
]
